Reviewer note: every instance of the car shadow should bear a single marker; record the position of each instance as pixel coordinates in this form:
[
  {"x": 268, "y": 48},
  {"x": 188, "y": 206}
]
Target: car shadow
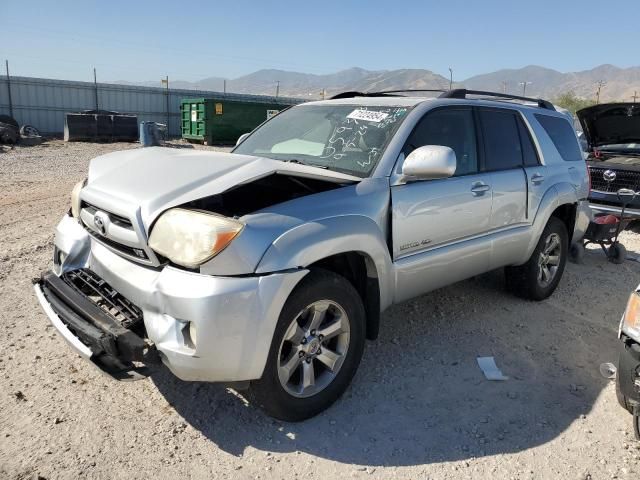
[{"x": 419, "y": 396}]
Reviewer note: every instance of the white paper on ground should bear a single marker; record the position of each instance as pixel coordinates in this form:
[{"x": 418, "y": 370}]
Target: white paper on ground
[{"x": 490, "y": 369}]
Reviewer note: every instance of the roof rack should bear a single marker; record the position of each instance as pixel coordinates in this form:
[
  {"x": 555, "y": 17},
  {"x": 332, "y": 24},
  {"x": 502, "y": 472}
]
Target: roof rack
[
  {"x": 361, "y": 94},
  {"x": 462, "y": 93},
  {"x": 382, "y": 93},
  {"x": 455, "y": 93}
]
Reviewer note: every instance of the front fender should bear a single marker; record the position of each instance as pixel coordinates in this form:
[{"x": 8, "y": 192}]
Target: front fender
[{"x": 308, "y": 243}]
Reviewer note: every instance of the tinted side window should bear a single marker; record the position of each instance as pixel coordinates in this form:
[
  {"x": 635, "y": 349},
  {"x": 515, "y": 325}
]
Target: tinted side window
[
  {"x": 450, "y": 127},
  {"x": 562, "y": 135},
  {"x": 529, "y": 152},
  {"x": 501, "y": 139}
]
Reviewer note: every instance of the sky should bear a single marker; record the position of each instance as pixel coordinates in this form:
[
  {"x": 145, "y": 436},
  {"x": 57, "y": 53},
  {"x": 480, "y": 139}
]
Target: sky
[{"x": 190, "y": 40}]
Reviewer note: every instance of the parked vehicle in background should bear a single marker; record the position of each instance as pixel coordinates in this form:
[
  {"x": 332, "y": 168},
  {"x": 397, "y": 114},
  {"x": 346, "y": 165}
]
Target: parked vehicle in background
[
  {"x": 612, "y": 132},
  {"x": 628, "y": 371},
  {"x": 272, "y": 264}
]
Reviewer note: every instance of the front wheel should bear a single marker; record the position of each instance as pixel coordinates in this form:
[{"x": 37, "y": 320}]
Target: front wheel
[
  {"x": 316, "y": 348},
  {"x": 539, "y": 277}
]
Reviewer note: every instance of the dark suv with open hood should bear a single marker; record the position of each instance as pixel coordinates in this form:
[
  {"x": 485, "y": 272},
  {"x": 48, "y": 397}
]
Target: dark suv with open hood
[{"x": 613, "y": 134}]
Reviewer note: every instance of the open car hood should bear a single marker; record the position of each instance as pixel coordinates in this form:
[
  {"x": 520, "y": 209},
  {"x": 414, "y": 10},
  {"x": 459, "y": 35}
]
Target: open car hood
[{"x": 611, "y": 123}]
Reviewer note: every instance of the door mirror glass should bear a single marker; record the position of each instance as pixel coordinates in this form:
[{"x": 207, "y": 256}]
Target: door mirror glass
[
  {"x": 241, "y": 138},
  {"x": 430, "y": 162}
]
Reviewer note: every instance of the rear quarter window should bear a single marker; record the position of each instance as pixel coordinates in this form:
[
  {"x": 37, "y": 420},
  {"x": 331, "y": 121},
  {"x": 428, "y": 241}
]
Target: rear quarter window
[{"x": 562, "y": 135}]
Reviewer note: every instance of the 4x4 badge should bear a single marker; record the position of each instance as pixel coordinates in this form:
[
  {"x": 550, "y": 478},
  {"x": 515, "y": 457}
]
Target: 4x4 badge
[{"x": 609, "y": 175}]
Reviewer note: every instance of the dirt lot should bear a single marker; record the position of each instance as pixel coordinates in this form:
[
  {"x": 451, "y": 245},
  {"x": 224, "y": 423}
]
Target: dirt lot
[{"x": 418, "y": 408}]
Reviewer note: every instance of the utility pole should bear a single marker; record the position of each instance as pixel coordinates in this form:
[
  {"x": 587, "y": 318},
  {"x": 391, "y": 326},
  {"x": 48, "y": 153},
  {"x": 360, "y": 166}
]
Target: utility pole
[
  {"x": 600, "y": 84},
  {"x": 524, "y": 87},
  {"x": 165, "y": 81},
  {"x": 224, "y": 86},
  {"x": 277, "y": 88},
  {"x": 95, "y": 88},
  {"x": 6, "y": 64},
  {"x": 323, "y": 93},
  {"x": 450, "y": 78},
  {"x": 504, "y": 87},
  {"x": 635, "y": 96}
]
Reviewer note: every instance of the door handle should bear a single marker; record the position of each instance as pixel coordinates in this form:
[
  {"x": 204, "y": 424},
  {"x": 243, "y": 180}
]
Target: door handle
[
  {"x": 537, "y": 179},
  {"x": 479, "y": 188}
]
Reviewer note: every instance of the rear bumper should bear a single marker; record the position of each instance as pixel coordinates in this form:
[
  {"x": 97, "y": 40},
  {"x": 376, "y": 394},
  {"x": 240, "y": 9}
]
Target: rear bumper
[
  {"x": 583, "y": 217},
  {"x": 234, "y": 317}
]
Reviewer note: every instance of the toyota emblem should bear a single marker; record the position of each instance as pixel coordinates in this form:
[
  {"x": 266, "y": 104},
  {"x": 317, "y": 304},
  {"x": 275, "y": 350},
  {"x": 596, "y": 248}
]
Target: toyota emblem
[
  {"x": 609, "y": 176},
  {"x": 100, "y": 220}
]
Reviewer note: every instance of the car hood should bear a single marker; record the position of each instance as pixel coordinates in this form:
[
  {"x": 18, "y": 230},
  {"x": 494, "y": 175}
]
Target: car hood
[
  {"x": 148, "y": 181},
  {"x": 610, "y": 123}
]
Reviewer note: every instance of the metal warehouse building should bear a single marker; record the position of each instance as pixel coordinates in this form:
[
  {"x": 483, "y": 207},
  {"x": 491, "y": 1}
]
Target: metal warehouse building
[{"x": 42, "y": 102}]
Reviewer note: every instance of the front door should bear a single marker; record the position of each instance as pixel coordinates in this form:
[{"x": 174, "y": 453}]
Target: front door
[{"x": 439, "y": 226}]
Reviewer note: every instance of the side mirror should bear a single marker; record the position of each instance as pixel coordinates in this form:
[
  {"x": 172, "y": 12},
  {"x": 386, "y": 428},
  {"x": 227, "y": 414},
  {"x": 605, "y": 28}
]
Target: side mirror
[
  {"x": 241, "y": 138},
  {"x": 430, "y": 162}
]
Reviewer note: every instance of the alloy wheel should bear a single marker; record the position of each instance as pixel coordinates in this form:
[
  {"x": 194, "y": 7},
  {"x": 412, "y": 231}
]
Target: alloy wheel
[
  {"x": 313, "y": 348},
  {"x": 549, "y": 260}
]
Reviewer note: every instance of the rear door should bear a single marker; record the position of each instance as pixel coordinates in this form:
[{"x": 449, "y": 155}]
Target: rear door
[{"x": 503, "y": 159}]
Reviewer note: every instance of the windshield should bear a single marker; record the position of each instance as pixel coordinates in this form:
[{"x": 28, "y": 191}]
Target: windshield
[{"x": 346, "y": 138}]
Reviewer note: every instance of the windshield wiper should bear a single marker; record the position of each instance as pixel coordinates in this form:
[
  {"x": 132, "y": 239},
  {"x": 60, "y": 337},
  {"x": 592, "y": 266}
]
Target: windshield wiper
[{"x": 295, "y": 160}]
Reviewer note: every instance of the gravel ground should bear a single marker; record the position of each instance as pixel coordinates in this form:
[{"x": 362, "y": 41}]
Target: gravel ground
[{"x": 419, "y": 406}]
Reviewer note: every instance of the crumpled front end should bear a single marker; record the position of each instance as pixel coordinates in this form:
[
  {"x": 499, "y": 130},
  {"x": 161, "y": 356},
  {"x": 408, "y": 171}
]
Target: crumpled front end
[{"x": 202, "y": 327}]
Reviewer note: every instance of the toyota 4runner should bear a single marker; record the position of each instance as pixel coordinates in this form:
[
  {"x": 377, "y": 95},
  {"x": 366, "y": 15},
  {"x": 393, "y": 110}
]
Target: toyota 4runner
[{"x": 271, "y": 265}]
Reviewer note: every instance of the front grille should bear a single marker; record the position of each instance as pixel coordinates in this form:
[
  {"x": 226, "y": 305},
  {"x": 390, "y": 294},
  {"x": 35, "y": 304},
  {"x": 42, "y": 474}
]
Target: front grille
[
  {"x": 624, "y": 179},
  {"x": 105, "y": 297},
  {"x": 116, "y": 219},
  {"x": 135, "y": 252}
]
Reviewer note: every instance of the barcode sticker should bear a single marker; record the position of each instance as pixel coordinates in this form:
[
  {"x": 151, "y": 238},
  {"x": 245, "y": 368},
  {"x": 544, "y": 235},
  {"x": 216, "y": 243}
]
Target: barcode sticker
[{"x": 368, "y": 115}]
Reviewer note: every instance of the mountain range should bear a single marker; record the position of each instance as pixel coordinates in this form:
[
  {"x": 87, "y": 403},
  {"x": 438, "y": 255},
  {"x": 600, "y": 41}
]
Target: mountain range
[{"x": 619, "y": 84}]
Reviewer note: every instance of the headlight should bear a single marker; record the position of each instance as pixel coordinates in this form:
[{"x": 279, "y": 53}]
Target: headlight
[
  {"x": 75, "y": 198},
  {"x": 190, "y": 238},
  {"x": 631, "y": 319}
]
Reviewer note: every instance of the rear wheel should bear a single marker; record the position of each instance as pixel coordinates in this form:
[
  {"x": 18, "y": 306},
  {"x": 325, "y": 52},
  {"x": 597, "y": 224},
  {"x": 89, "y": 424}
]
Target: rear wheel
[
  {"x": 539, "y": 277},
  {"x": 316, "y": 348}
]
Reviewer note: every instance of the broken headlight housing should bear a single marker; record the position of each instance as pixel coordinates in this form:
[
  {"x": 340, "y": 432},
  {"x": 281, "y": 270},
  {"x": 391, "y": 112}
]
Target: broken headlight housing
[
  {"x": 190, "y": 238},
  {"x": 630, "y": 324}
]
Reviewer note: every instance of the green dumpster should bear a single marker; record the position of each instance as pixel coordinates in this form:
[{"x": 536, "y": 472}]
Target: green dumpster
[{"x": 222, "y": 120}]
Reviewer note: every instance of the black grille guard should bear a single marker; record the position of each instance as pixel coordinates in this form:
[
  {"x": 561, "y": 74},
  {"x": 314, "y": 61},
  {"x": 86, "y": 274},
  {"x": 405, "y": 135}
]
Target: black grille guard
[{"x": 115, "y": 349}]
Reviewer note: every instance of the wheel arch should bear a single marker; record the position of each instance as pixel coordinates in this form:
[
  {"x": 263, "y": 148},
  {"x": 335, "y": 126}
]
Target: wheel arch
[{"x": 353, "y": 246}]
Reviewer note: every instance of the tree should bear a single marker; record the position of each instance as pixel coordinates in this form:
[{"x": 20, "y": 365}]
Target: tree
[{"x": 571, "y": 102}]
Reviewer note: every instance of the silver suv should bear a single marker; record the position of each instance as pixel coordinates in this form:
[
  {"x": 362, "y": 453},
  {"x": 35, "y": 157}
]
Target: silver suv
[{"x": 270, "y": 266}]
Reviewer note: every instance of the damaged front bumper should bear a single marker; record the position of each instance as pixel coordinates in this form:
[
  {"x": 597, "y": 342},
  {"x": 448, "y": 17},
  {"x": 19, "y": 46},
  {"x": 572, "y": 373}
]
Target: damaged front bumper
[
  {"x": 628, "y": 373},
  {"x": 203, "y": 328}
]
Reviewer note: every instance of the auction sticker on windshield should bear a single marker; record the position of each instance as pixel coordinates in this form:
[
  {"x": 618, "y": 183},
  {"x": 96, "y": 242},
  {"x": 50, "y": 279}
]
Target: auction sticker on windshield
[{"x": 368, "y": 115}]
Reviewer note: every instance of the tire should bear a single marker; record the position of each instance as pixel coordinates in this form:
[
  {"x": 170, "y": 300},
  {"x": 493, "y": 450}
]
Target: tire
[
  {"x": 281, "y": 392},
  {"x": 576, "y": 253},
  {"x": 29, "y": 131},
  {"x": 8, "y": 135},
  {"x": 9, "y": 120},
  {"x": 528, "y": 280},
  {"x": 617, "y": 253}
]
